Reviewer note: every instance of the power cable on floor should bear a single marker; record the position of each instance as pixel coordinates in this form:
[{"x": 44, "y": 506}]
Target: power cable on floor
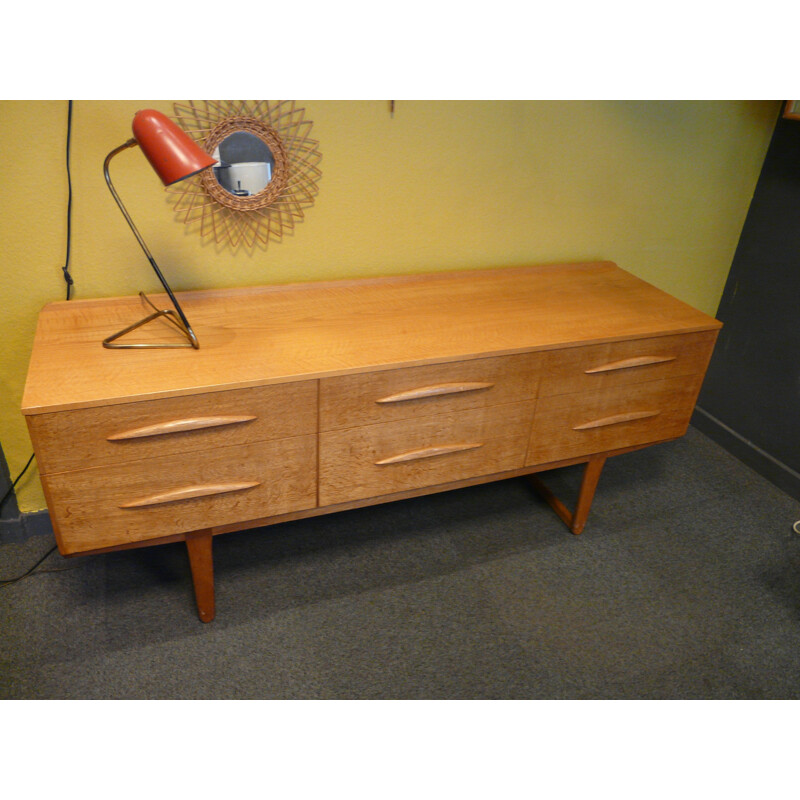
[{"x": 9, "y": 581}]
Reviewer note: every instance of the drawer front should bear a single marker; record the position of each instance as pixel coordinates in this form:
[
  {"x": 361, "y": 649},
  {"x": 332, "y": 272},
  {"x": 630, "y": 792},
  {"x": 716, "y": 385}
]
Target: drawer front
[
  {"x": 410, "y": 454},
  {"x": 89, "y": 437},
  {"x": 604, "y": 366},
  {"x": 353, "y": 400},
  {"x": 108, "y": 506},
  {"x": 567, "y": 426}
]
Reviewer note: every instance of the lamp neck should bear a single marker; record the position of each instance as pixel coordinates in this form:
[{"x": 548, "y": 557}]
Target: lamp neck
[{"x": 130, "y": 143}]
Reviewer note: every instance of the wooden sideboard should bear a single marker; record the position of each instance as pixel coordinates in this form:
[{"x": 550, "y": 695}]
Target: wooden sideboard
[{"x": 312, "y": 398}]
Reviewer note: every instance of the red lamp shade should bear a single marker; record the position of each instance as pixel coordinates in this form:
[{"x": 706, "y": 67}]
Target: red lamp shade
[{"x": 170, "y": 151}]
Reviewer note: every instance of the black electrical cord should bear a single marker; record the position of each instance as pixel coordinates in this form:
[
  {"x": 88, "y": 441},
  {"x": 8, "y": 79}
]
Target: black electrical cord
[
  {"x": 69, "y": 282},
  {"x": 16, "y": 481},
  {"x": 65, "y": 268},
  {"x": 4, "y": 583}
]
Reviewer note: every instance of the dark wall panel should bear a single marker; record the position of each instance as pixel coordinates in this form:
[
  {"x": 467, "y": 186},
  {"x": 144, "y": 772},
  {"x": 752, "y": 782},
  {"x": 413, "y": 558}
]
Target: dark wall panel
[{"x": 753, "y": 384}]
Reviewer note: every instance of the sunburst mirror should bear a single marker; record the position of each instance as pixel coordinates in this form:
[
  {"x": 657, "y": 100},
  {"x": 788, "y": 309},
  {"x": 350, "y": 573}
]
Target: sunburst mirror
[{"x": 265, "y": 176}]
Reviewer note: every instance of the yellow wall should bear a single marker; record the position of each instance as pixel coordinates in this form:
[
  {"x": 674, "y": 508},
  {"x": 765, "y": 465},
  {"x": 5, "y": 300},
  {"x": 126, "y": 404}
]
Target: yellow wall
[{"x": 662, "y": 188}]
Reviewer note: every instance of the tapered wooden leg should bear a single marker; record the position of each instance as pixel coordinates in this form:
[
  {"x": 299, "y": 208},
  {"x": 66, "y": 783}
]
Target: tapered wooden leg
[
  {"x": 591, "y": 475},
  {"x": 198, "y": 545},
  {"x": 576, "y": 520}
]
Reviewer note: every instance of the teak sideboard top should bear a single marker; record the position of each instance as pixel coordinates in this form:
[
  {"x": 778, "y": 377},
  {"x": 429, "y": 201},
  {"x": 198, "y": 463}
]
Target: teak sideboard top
[{"x": 277, "y": 334}]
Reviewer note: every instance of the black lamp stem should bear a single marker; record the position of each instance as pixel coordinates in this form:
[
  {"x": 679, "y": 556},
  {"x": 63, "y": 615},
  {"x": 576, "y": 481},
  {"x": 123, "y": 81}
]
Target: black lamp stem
[{"x": 183, "y": 325}]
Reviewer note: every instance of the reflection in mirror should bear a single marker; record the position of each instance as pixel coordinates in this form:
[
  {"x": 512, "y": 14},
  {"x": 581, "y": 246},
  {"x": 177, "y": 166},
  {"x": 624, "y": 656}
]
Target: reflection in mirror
[
  {"x": 269, "y": 144},
  {"x": 244, "y": 164}
]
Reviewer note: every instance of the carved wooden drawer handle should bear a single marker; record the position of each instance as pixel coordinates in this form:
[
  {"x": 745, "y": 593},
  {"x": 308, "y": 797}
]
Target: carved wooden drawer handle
[
  {"x": 617, "y": 418},
  {"x": 177, "y": 426},
  {"x": 427, "y": 452},
  {"x": 187, "y": 492},
  {"x": 626, "y": 363},
  {"x": 433, "y": 391}
]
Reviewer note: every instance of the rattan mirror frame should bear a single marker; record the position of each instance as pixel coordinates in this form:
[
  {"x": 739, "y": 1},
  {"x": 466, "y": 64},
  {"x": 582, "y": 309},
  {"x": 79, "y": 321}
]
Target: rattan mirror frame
[{"x": 249, "y": 221}]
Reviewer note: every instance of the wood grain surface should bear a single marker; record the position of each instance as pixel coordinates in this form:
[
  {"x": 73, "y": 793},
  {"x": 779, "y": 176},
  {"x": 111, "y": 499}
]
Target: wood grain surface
[
  {"x": 570, "y": 425},
  {"x": 89, "y": 504},
  {"x": 85, "y": 437},
  {"x": 276, "y": 334},
  {"x": 604, "y": 366},
  {"x": 454, "y": 446},
  {"x": 354, "y": 400}
]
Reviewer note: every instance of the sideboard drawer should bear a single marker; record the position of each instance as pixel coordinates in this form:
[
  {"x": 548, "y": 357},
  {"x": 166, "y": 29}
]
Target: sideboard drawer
[
  {"x": 409, "y": 454},
  {"x": 603, "y": 366},
  {"x": 363, "y": 399},
  {"x": 89, "y": 437},
  {"x": 108, "y": 506},
  {"x": 566, "y": 426}
]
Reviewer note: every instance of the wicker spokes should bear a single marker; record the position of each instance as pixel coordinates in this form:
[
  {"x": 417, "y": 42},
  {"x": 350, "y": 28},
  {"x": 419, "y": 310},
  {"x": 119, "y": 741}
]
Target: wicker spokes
[{"x": 256, "y": 219}]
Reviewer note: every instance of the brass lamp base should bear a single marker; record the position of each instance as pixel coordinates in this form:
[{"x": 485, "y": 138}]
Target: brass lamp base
[{"x": 169, "y": 315}]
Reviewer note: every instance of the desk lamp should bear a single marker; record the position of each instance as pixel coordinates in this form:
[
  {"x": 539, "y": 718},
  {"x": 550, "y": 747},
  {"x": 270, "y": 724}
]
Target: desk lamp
[{"x": 174, "y": 157}]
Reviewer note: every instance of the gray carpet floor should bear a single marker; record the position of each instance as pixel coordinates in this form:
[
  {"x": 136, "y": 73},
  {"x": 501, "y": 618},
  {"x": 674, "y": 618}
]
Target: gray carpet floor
[{"x": 685, "y": 584}]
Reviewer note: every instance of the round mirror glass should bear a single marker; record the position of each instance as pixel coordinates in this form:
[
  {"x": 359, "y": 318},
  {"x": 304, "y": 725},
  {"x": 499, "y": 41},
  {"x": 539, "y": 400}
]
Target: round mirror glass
[{"x": 244, "y": 164}]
